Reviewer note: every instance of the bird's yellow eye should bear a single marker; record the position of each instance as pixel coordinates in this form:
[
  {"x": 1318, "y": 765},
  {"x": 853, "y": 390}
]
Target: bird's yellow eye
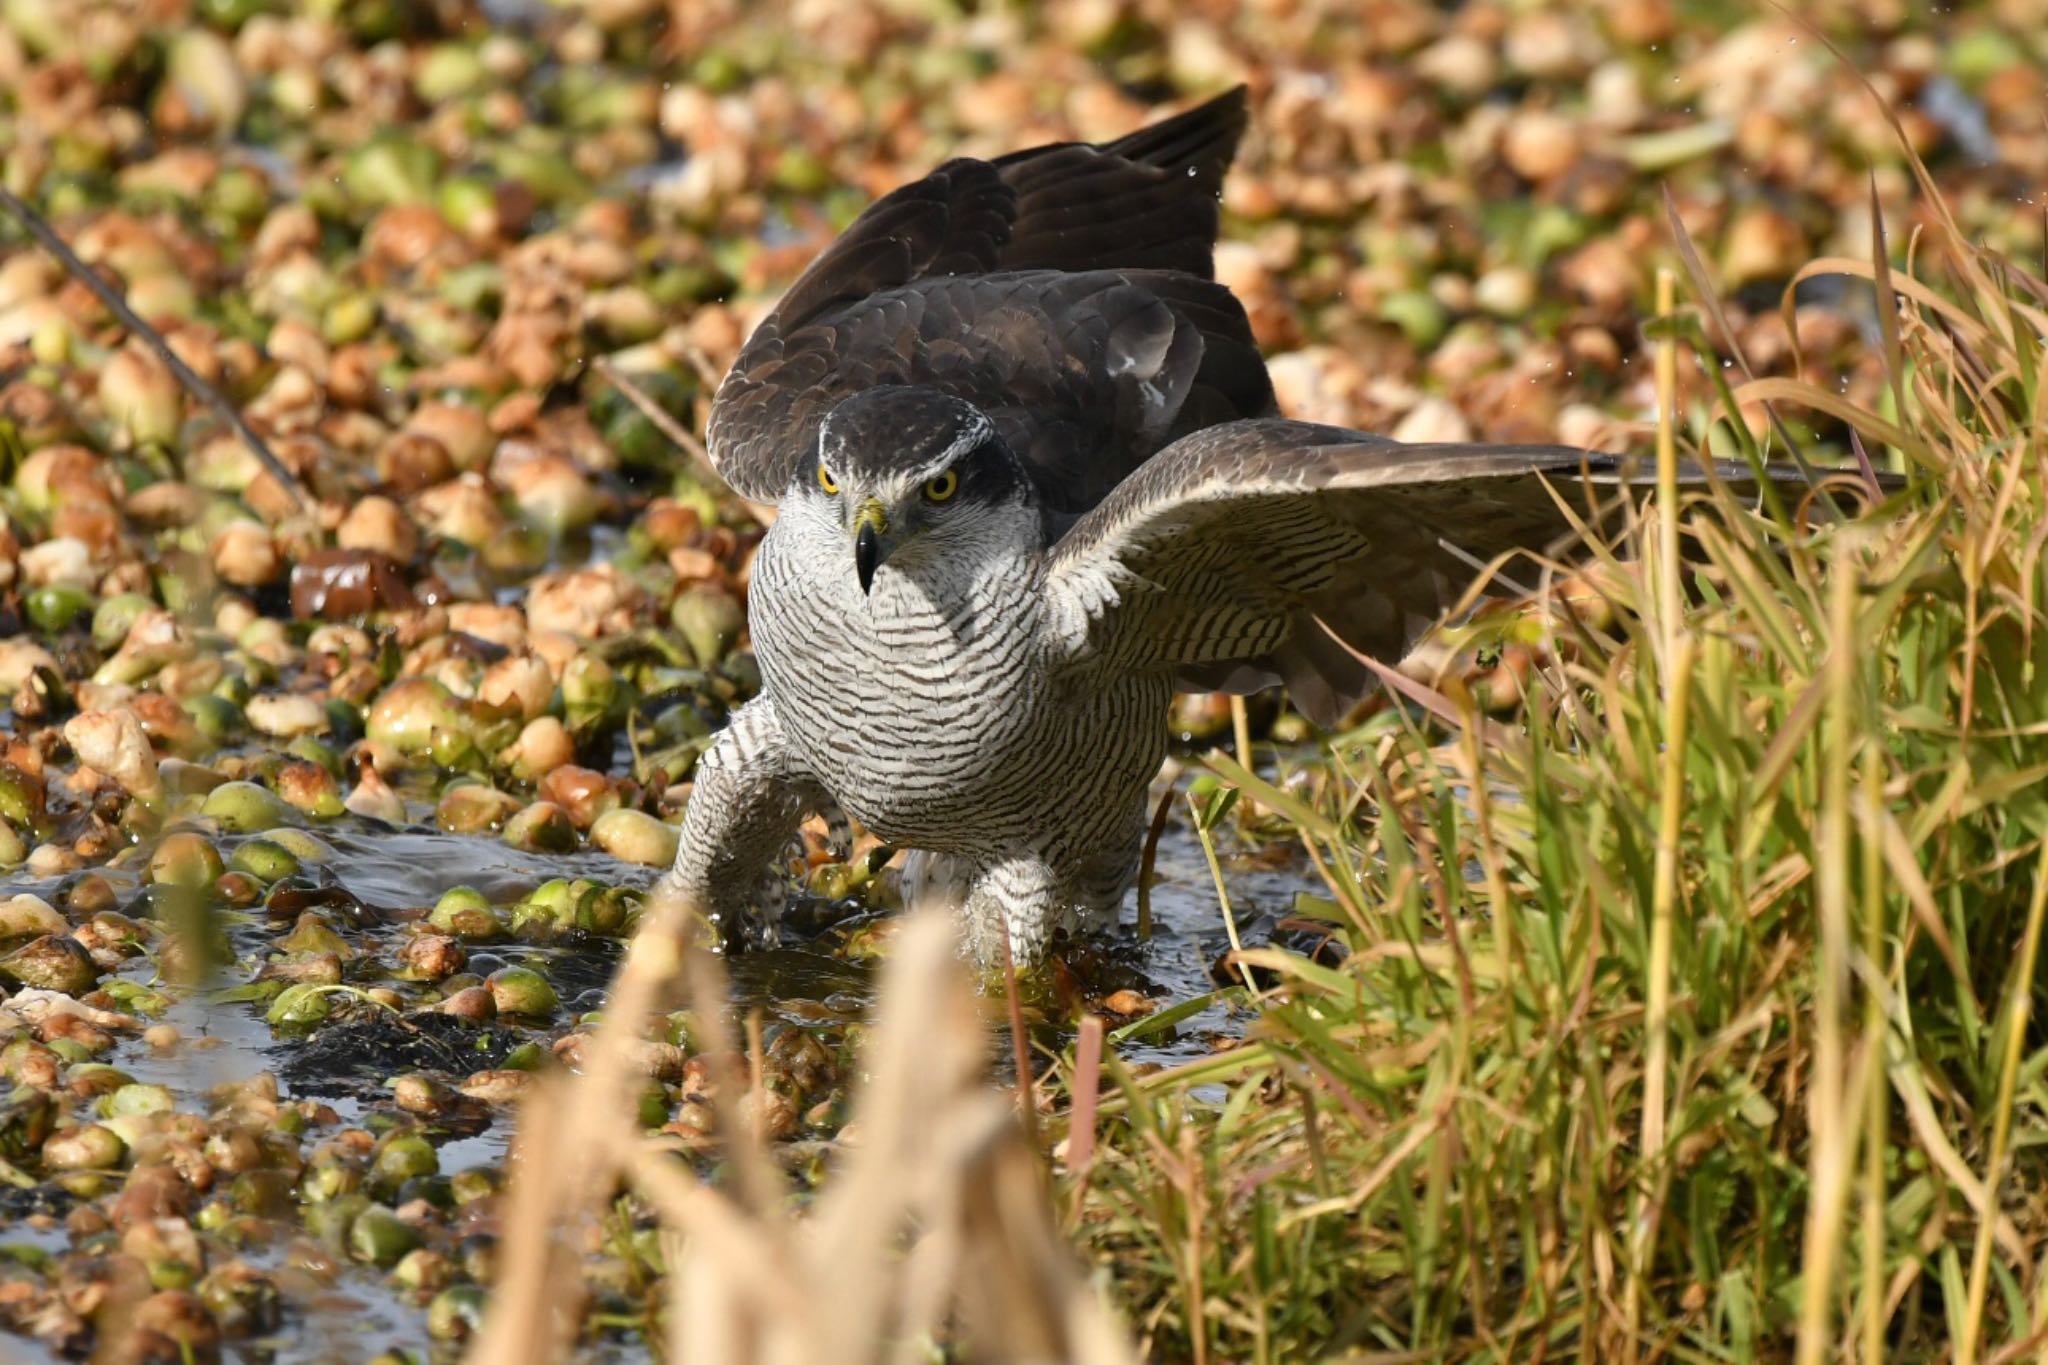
[
  {"x": 943, "y": 487},
  {"x": 825, "y": 479}
]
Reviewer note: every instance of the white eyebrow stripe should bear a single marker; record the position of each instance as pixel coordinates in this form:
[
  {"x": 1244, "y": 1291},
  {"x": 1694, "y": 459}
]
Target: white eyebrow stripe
[{"x": 972, "y": 435}]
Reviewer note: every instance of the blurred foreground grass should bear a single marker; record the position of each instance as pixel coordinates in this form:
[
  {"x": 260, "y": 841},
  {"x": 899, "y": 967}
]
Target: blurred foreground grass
[{"x": 1687, "y": 1015}]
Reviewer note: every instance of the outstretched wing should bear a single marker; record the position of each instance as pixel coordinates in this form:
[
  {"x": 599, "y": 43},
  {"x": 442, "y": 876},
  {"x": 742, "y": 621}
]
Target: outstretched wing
[
  {"x": 1240, "y": 556},
  {"x": 1064, "y": 289}
]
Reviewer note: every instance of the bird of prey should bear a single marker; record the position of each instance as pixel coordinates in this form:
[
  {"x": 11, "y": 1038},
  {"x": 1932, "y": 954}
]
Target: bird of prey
[{"x": 1031, "y": 480}]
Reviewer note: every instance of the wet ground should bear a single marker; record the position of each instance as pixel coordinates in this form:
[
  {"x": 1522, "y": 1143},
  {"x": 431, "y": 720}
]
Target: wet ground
[{"x": 341, "y": 1310}]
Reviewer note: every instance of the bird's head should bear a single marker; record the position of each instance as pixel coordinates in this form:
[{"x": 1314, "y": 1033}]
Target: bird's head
[{"x": 909, "y": 472}]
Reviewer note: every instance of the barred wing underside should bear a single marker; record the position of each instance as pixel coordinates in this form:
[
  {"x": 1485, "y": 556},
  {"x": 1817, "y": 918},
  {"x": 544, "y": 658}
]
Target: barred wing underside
[{"x": 1255, "y": 552}]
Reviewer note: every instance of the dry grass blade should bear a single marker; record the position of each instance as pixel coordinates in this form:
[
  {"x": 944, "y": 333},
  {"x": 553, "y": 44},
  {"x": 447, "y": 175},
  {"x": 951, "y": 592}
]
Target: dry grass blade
[
  {"x": 2013, "y": 1044},
  {"x": 1887, "y": 302},
  {"x": 938, "y": 1153},
  {"x": 1435, "y": 702},
  {"x": 40, "y": 229},
  {"x": 1840, "y": 408},
  {"x": 566, "y": 1154},
  {"x": 1904, "y": 285},
  {"x": 1864, "y": 465}
]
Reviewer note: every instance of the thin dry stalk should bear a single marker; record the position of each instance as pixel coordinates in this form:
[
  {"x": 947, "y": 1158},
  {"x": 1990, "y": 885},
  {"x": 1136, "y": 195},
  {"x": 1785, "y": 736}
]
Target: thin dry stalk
[
  {"x": 1669, "y": 588},
  {"x": 1192, "y": 1190},
  {"x": 539, "y": 1290},
  {"x": 678, "y": 435},
  {"x": 1664, "y": 903},
  {"x": 1834, "y": 1137},
  {"x": 1876, "y": 1109},
  {"x": 1087, "y": 1087},
  {"x": 1247, "y": 810},
  {"x": 1020, "y": 1043},
  {"x": 1208, "y": 839},
  {"x": 1678, "y": 648},
  {"x": 39, "y": 228},
  {"x": 1149, "y": 864}
]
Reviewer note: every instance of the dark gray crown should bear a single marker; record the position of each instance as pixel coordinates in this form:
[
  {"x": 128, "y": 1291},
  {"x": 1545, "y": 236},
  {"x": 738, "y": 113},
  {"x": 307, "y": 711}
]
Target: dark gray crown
[{"x": 895, "y": 432}]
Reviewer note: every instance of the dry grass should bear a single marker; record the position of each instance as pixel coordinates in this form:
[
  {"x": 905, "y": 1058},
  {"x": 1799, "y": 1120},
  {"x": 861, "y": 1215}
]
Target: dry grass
[
  {"x": 1690, "y": 1016},
  {"x": 935, "y": 1227}
]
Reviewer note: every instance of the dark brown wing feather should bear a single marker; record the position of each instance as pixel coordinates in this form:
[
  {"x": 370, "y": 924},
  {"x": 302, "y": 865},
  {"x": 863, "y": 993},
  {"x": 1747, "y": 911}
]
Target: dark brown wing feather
[
  {"x": 1064, "y": 289},
  {"x": 1146, "y": 201},
  {"x": 1236, "y": 555}
]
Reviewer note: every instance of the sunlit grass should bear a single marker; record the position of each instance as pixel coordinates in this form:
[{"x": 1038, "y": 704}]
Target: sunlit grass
[{"x": 1520, "y": 1120}]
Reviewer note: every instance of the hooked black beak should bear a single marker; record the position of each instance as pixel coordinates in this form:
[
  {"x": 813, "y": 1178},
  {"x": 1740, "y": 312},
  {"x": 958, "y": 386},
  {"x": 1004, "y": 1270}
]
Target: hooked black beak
[
  {"x": 871, "y": 523},
  {"x": 867, "y": 554}
]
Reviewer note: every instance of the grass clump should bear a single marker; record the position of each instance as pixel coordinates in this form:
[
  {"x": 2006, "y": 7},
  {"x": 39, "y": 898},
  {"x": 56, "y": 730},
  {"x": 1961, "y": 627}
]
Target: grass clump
[{"x": 1687, "y": 1016}]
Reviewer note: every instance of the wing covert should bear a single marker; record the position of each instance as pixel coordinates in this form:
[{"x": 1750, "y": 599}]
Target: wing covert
[{"x": 1254, "y": 552}]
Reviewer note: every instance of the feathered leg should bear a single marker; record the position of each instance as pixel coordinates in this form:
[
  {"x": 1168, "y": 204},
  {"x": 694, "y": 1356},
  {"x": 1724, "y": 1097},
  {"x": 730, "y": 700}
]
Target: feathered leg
[
  {"x": 749, "y": 798},
  {"x": 1101, "y": 880}
]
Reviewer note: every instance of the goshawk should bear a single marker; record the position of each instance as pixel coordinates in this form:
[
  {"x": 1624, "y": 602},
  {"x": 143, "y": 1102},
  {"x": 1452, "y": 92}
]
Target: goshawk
[{"x": 1030, "y": 480}]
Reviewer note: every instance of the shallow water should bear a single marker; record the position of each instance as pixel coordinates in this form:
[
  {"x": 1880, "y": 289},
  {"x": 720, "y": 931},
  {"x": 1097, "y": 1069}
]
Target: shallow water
[{"x": 395, "y": 870}]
